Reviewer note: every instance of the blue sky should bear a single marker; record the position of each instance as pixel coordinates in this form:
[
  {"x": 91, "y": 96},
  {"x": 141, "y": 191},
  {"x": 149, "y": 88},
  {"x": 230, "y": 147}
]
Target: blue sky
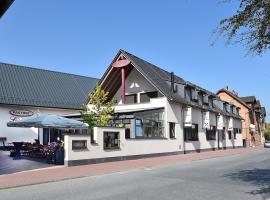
[{"x": 83, "y": 38}]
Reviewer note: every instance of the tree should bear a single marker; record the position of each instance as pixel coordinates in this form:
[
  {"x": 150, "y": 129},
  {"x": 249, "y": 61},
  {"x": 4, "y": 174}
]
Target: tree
[
  {"x": 267, "y": 132},
  {"x": 249, "y": 26},
  {"x": 100, "y": 110}
]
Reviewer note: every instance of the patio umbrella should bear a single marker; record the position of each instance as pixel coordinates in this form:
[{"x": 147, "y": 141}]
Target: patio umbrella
[{"x": 47, "y": 121}]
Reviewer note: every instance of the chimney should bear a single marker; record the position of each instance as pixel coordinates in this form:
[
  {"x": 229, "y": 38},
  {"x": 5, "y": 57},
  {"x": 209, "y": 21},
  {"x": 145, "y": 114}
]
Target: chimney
[
  {"x": 172, "y": 81},
  {"x": 173, "y": 88},
  {"x": 226, "y": 87},
  {"x": 234, "y": 92}
]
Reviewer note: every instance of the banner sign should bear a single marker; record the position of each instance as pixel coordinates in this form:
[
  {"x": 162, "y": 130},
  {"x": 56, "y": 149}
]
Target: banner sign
[
  {"x": 188, "y": 116},
  {"x": 220, "y": 122},
  {"x": 206, "y": 120},
  {"x": 252, "y": 127},
  {"x": 230, "y": 126}
]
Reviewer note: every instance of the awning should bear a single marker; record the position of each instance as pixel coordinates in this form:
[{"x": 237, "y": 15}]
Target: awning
[{"x": 47, "y": 121}]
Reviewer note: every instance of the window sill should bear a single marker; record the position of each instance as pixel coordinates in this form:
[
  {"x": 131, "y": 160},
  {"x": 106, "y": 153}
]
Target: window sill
[
  {"x": 191, "y": 140},
  {"x": 148, "y": 138},
  {"x": 79, "y": 150},
  {"x": 112, "y": 149}
]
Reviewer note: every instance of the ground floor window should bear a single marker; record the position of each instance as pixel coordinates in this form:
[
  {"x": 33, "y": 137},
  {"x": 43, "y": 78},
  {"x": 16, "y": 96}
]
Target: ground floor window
[
  {"x": 149, "y": 124},
  {"x": 191, "y": 133},
  {"x": 172, "y": 129},
  {"x": 230, "y": 135},
  {"x": 111, "y": 140},
  {"x": 52, "y": 135},
  {"x": 211, "y": 133},
  {"x": 79, "y": 144}
]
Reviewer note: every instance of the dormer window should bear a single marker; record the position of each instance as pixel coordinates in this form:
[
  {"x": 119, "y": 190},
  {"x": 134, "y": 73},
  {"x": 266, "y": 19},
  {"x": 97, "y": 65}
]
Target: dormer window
[
  {"x": 226, "y": 107},
  {"x": 232, "y": 108},
  {"x": 205, "y": 99},
  {"x": 194, "y": 95},
  {"x": 211, "y": 102},
  {"x": 237, "y": 111}
]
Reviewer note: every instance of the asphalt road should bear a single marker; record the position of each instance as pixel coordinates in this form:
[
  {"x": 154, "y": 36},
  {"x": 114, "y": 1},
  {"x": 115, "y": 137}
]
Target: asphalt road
[{"x": 245, "y": 176}]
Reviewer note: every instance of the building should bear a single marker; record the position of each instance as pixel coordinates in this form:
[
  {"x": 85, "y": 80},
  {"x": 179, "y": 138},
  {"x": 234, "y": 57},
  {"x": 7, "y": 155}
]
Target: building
[
  {"x": 160, "y": 113},
  {"x": 28, "y": 91},
  {"x": 252, "y": 113},
  {"x": 257, "y": 116}
]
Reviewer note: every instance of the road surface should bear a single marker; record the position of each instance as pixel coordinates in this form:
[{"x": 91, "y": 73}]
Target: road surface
[{"x": 245, "y": 176}]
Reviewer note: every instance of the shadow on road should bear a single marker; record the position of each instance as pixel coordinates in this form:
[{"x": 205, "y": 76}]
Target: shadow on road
[{"x": 257, "y": 177}]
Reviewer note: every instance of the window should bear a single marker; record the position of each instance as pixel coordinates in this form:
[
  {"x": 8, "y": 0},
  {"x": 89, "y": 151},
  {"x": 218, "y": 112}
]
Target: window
[
  {"x": 205, "y": 99},
  {"x": 131, "y": 99},
  {"x": 238, "y": 111},
  {"x": 232, "y": 109},
  {"x": 211, "y": 133},
  {"x": 239, "y": 130},
  {"x": 111, "y": 140},
  {"x": 172, "y": 129},
  {"x": 194, "y": 95},
  {"x": 230, "y": 135},
  {"x": 79, "y": 144},
  {"x": 145, "y": 97},
  {"x": 127, "y": 133},
  {"x": 191, "y": 133},
  {"x": 149, "y": 124},
  {"x": 188, "y": 93}
]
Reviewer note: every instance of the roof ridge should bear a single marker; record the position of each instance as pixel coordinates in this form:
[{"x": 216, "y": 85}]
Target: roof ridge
[
  {"x": 47, "y": 70},
  {"x": 234, "y": 96}
]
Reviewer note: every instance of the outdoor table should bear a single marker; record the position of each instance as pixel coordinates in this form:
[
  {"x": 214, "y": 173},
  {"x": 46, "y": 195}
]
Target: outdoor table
[{"x": 17, "y": 146}]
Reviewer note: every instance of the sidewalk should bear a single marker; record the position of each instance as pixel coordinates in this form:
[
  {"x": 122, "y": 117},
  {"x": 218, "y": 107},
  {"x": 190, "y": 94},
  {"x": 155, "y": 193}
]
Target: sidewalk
[{"x": 63, "y": 173}]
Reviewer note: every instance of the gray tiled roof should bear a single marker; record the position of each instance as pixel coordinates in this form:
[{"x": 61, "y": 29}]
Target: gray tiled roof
[
  {"x": 248, "y": 99},
  {"x": 42, "y": 88},
  {"x": 161, "y": 79}
]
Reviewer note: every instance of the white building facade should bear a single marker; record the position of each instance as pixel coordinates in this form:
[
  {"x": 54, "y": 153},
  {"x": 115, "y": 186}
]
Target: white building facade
[{"x": 160, "y": 114}]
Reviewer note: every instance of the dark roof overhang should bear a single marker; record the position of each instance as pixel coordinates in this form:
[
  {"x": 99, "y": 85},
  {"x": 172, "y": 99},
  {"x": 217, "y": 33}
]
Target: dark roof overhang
[{"x": 4, "y": 5}]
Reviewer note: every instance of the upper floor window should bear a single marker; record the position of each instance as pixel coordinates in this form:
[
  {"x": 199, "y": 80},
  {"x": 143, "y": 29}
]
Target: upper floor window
[
  {"x": 145, "y": 97},
  {"x": 188, "y": 93},
  {"x": 205, "y": 99},
  {"x": 194, "y": 95},
  {"x": 131, "y": 99}
]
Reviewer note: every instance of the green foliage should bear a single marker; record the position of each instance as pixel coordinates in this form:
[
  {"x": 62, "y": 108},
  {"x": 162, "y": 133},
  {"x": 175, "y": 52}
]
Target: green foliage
[
  {"x": 267, "y": 132},
  {"x": 101, "y": 109},
  {"x": 249, "y": 26}
]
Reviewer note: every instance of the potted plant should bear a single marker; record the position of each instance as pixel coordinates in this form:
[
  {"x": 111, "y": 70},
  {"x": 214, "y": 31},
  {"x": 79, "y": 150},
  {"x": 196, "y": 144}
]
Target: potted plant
[{"x": 49, "y": 152}]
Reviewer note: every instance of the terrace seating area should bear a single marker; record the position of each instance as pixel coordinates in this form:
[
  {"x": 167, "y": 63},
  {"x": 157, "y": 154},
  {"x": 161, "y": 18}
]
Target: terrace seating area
[{"x": 8, "y": 165}]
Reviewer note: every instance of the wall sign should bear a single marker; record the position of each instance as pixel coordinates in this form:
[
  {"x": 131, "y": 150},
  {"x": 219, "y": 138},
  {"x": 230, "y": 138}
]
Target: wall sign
[
  {"x": 220, "y": 122},
  {"x": 21, "y": 113},
  {"x": 18, "y": 114},
  {"x": 230, "y": 127},
  {"x": 206, "y": 120},
  {"x": 187, "y": 117}
]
